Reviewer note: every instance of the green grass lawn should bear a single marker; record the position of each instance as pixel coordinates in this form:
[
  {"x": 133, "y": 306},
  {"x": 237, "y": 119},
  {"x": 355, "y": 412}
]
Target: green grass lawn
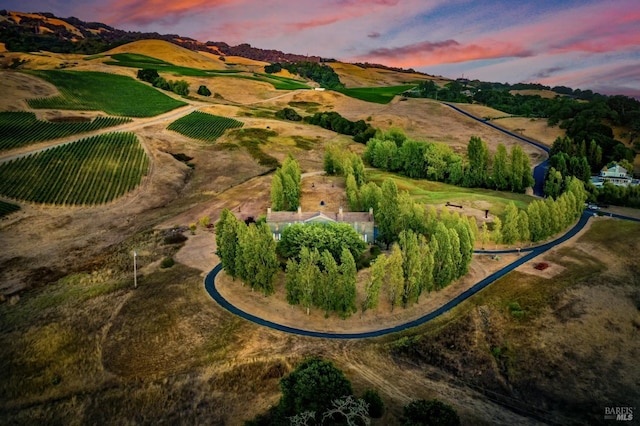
[
  {"x": 379, "y": 95},
  {"x": 113, "y": 94},
  {"x": 428, "y": 192}
]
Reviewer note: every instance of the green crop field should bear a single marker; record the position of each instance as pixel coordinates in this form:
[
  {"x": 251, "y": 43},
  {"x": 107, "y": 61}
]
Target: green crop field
[
  {"x": 133, "y": 60},
  {"x": 203, "y": 126},
  {"x": 7, "y": 208},
  {"x": 22, "y": 128},
  {"x": 429, "y": 192},
  {"x": 379, "y": 95},
  {"x": 113, "y": 94},
  {"x": 91, "y": 171}
]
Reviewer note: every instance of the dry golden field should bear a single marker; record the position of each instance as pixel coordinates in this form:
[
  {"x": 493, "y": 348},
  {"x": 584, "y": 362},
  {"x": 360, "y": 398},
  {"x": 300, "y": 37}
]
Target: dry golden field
[{"x": 81, "y": 345}]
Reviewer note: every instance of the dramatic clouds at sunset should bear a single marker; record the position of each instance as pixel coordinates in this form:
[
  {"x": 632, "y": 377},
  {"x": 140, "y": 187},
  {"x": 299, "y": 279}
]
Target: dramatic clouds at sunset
[{"x": 578, "y": 43}]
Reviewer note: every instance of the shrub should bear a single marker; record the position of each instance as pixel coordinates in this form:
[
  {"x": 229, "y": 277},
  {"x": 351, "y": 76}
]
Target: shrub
[
  {"x": 148, "y": 74},
  {"x": 288, "y": 114},
  {"x": 167, "y": 262},
  {"x": 432, "y": 412},
  {"x": 204, "y": 91},
  {"x": 376, "y": 406}
]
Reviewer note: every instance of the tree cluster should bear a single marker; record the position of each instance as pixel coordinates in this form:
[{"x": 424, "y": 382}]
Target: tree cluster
[
  {"x": 360, "y": 130},
  {"x": 320, "y": 73},
  {"x": 454, "y": 91},
  {"x": 318, "y": 280},
  {"x": 438, "y": 162},
  {"x": 180, "y": 87},
  {"x": 318, "y": 393},
  {"x": 247, "y": 252},
  {"x": 330, "y": 236},
  {"x": 288, "y": 114},
  {"x": 285, "y": 186},
  {"x": 541, "y": 219}
]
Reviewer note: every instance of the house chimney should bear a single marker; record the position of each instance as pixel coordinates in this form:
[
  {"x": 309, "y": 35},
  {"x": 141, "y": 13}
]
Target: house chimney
[
  {"x": 370, "y": 214},
  {"x": 299, "y": 212},
  {"x": 268, "y": 213},
  {"x": 340, "y": 214}
]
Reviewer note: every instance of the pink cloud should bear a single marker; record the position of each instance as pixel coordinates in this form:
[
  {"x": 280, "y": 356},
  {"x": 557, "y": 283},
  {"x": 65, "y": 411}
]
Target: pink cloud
[
  {"x": 149, "y": 11},
  {"x": 449, "y": 51}
]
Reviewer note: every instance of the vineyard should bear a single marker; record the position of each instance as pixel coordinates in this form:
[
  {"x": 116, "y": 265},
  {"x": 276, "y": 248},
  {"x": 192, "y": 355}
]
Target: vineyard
[
  {"x": 7, "y": 208},
  {"x": 98, "y": 91},
  {"x": 203, "y": 126},
  {"x": 91, "y": 171},
  {"x": 22, "y": 128}
]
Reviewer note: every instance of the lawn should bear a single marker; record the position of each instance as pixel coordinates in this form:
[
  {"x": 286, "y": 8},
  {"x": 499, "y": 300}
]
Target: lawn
[
  {"x": 428, "y": 192},
  {"x": 97, "y": 91},
  {"x": 379, "y": 95}
]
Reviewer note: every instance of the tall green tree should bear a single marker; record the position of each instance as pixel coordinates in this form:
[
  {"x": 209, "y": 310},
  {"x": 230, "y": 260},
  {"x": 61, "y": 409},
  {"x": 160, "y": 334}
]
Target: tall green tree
[
  {"x": 443, "y": 266},
  {"x": 478, "y": 156},
  {"x": 277, "y": 193},
  {"x": 346, "y": 294},
  {"x": 227, "y": 241},
  {"x": 497, "y": 230},
  {"x": 394, "y": 279},
  {"x": 308, "y": 275},
  {"x": 500, "y": 172},
  {"x": 523, "y": 225},
  {"x": 466, "y": 246},
  {"x": 536, "y": 232},
  {"x": 411, "y": 269},
  {"x": 352, "y": 193},
  {"x": 370, "y": 196},
  {"x": 374, "y": 283},
  {"x": 521, "y": 175},
  {"x": 388, "y": 214},
  {"x": 511, "y": 228},
  {"x": 426, "y": 265},
  {"x": 326, "y": 288}
]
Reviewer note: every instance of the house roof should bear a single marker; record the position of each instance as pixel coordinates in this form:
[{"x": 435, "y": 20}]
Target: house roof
[
  {"x": 616, "y": 168},
  {"x": 319, "y": 216}
]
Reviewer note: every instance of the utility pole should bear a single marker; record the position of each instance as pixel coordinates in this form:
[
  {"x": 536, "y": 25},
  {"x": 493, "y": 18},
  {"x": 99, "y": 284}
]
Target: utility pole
[{"x": 135, "y": 270}]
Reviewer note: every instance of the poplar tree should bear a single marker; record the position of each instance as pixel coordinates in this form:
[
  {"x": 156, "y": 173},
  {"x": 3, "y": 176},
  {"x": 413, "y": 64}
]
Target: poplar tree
[
  {"x": 408, "y": 242},
  {"x": 226, "y": 231},
  {"x": 388, "y": 214},
  {"x": 370, "y": 196},
  {"x": 510, "y": 230},
  {"x": 352, "y": 193},
  {"x": 486, "y": 236},
  {"x": 456, "y": 254},
  {"x": 426, "y": 271},
  {"x": 374, "y": 283},
  {"x": 500, "y": 172},
  {"x": 466, "y": 246},
  {"x": 535, "y": 222},
  {"x": 346, "y": 295},
  {"x": 325, "y": 289},
  {"x": 395, "y": 277},
  {"x": 308, "y": 274},
  {"x": 497, "y": 230},
  {"x": 277, "y": 193},
  {"x": 443, "y": 267},
  {"x": 523, "y": 225},
  {"x": 478, "y": 155}
]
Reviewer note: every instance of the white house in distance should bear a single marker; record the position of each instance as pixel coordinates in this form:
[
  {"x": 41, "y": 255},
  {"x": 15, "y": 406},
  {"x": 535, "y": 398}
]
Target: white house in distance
[{"x": 615, "y": 174}]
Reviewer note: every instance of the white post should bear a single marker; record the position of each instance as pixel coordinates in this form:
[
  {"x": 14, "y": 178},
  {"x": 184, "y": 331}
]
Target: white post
[{"x": 135, "y": 270}]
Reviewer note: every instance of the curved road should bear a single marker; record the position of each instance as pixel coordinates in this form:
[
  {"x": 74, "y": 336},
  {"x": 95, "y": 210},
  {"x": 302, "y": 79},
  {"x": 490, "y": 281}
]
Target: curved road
[{"x": 209, "y": 283}]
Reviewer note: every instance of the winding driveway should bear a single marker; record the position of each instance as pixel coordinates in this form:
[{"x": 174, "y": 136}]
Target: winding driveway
[{"x": 529, "y": 253}]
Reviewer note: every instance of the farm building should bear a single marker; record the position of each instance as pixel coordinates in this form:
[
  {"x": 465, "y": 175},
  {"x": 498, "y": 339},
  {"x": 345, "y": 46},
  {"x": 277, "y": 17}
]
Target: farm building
[{"x": 362, "y": 222}]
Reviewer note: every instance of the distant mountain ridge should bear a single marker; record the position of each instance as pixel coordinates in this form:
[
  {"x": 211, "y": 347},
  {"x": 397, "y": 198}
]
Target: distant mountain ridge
[{"x": 29, "y": 32}]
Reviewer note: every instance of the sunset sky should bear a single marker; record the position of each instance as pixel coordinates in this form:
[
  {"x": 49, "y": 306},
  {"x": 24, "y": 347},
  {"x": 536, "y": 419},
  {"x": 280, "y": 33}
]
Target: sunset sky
[{"x": 578, "y": 43}]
